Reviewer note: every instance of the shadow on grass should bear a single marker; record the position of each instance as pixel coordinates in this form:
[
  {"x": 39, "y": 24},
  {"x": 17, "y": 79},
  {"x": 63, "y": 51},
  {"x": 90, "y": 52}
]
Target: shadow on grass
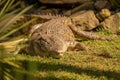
[
  {"x": 74, "y": 69},
  {"x": 49, "y": 78}
]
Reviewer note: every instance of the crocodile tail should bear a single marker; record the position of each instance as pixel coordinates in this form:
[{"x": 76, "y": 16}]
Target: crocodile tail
[{"x": 88, "y": 35}]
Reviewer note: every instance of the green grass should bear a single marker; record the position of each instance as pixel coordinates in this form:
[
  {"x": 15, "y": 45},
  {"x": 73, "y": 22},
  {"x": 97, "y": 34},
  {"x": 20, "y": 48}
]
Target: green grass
[{"x": 100, "y": 62}]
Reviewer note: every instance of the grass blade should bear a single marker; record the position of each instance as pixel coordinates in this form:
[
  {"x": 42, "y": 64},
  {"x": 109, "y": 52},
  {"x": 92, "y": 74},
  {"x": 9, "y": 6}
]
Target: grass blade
[
  {"x": 4, "y": 8},
  {"x": 14, "y": 18},
  {"x": 13, "y": 31}
]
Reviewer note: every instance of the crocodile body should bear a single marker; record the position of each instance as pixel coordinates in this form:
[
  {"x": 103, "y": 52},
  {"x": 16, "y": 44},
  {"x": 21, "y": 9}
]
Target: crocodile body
[{"x": 56, "y": 36}]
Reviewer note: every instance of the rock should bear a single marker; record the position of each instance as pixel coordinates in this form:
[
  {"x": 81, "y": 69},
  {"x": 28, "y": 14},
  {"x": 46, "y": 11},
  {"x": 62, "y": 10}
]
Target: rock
[
  {"x": 112, "y": 23},
  {"x": 85, "y": 6},
  {"x": 100, "y": 4},
  {"x": 103, "y": 14},
  {"x": 62, "y": 1},
  {"x": 85, "y": 20}
]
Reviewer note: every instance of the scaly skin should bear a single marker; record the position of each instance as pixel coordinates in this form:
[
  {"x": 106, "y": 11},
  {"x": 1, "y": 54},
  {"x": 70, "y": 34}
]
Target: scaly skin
[{"x": 56, "y": 36}]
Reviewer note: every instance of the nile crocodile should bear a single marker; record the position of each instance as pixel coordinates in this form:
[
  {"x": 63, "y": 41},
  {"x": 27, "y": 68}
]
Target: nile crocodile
[{"x": 56, "y": 36}]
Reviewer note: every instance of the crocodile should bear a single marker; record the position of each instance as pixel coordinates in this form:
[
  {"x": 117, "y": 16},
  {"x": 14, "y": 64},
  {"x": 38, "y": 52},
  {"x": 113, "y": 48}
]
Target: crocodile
[{"x": 57, "y": 36}]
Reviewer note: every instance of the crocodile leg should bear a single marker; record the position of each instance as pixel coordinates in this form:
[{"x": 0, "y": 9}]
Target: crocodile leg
[
  {"x": 75, "y": 45},
  {"x": 80, "y": 46},
  {"x": 88, "y": 35}
]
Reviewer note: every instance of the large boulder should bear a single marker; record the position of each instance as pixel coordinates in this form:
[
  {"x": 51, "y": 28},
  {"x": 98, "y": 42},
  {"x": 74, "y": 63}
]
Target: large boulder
[
  {"x": 112, "y": 23},
  {"x": 85, "y": 20}
]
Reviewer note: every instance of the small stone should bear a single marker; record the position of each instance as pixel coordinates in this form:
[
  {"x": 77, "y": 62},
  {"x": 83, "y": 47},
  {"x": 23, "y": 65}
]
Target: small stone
[{"x": 103, "y": 14}]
